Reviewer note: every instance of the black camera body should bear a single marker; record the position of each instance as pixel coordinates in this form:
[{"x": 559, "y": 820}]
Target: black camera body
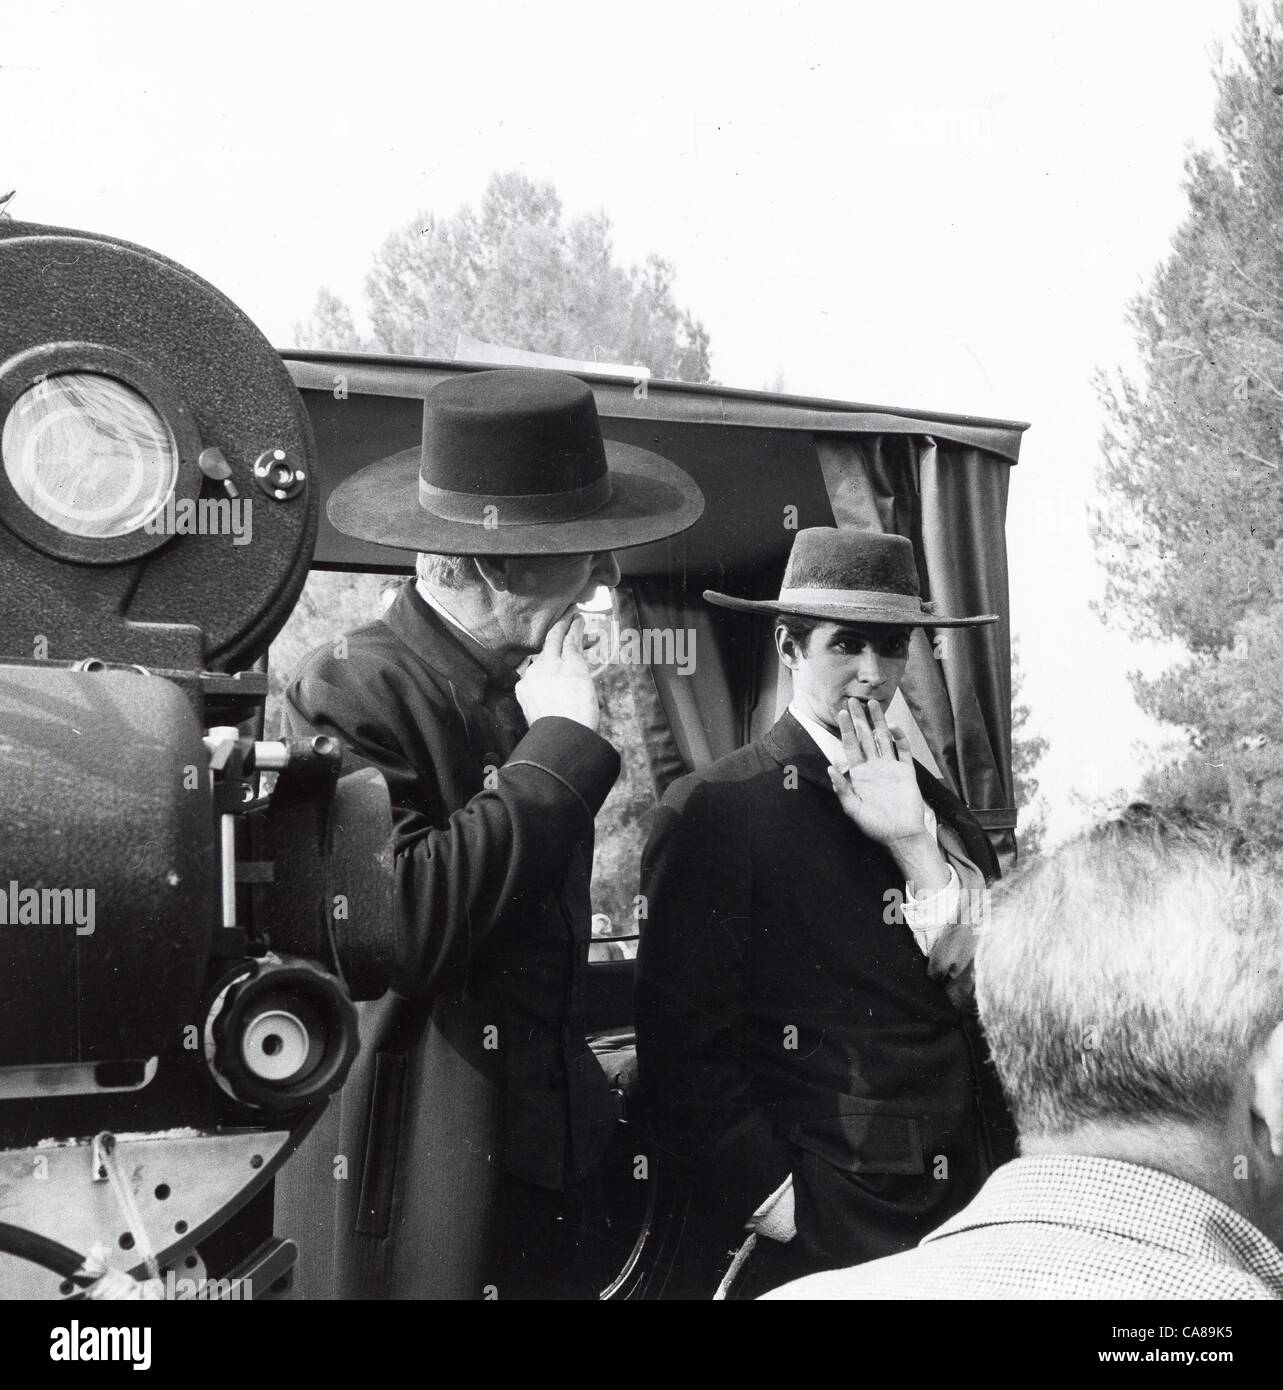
[{"x": 183, "y": 942}]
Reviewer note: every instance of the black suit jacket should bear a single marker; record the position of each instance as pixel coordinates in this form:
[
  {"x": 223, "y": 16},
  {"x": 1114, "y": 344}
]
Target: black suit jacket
[
  {"x": 788, "y": 1024},
  {"x": 477, "y": 1063}
]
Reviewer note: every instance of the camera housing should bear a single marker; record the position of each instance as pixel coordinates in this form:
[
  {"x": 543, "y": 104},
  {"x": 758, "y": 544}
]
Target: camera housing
[{"x": 178, "y": 1002}]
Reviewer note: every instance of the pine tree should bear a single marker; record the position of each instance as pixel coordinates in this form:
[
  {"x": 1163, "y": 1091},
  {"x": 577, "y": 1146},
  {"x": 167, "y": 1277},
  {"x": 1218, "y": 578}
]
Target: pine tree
[
  {"x": 330, "y": 327},
  {"x": 517, "y": 273},
  {"x": 1191, "y": 533},
  {"x": 1027, "y": 752}
]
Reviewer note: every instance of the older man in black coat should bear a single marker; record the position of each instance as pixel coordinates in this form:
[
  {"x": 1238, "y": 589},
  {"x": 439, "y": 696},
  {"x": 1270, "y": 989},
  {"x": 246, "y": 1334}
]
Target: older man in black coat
[
  {"x": 805, "y": 1038},
  {"x": 477, "y": 1115}
]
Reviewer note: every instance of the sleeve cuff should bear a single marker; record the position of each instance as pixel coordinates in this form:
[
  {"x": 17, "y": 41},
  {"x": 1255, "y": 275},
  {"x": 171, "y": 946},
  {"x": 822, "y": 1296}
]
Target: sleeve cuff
[
  {"x": 574, "y": 755},
  {"x": 930, "y": 914}
]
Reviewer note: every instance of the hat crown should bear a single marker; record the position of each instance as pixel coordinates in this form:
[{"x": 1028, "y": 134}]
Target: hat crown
[
  {"x": 512, "y": 432},
  {"x": 824, "y": 557}
]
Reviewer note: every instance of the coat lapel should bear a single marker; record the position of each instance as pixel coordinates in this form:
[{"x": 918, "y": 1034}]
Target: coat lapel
[
  {"x": 791, "y": 746},
  {"x": 951, "y": 812}
]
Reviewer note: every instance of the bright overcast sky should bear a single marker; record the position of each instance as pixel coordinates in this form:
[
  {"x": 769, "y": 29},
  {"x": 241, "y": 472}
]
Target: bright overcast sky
[{"x": 937, "y": 205}]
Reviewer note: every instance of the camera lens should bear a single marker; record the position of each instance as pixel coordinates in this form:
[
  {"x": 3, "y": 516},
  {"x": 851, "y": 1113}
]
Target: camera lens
[{"x": 89, "y": 455}]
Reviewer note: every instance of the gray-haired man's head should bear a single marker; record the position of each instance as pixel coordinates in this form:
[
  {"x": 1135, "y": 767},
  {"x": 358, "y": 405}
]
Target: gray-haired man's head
[{"x": 1132, "y": 981}]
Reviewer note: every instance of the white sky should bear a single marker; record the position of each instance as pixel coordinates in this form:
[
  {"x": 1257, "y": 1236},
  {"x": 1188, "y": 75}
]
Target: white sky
[{"x": 936, "y": 205}]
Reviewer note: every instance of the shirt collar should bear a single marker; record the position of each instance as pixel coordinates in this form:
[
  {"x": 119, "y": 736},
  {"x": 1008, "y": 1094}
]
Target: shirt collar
[
  {"x": 446, "y": 645},
  {"x": 825, "y": 740},
  {"x": 1123, "y": 1200},
  {"x": 439, "y": 608}
]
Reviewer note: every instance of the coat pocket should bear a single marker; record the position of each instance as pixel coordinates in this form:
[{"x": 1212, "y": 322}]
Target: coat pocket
[
  {"x": 860, "y": 1141},
  {"x": 382, "y": 1143}
]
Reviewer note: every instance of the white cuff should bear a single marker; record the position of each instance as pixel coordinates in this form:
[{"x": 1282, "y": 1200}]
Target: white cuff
[{"x": 930, "y": 914}]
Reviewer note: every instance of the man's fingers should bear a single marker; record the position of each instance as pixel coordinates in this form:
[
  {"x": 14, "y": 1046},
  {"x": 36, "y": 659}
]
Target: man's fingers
[
  {"x": 556, "y": 636},
  {"x": 863, "y": 730},
  {"x": 850, "y": 744},
  {"x": 574, "y": 644},
  {"x": 879, "y": 720},
  {"x": 901, "y": 739},
  {"x": 882, "y": 740}
]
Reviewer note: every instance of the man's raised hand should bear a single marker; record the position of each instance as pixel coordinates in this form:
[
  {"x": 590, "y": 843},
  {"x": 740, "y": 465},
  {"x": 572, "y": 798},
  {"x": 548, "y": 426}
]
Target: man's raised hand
[
  {"x": 558, "y": 681},
  {"x": 879, "y": 789}
]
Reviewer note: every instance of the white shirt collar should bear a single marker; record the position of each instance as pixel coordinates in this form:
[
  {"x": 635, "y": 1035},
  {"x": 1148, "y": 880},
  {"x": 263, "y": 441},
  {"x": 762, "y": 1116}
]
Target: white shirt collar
[
  {"x": 437, "y": 607},
  {"x": 825, "y": 739}
]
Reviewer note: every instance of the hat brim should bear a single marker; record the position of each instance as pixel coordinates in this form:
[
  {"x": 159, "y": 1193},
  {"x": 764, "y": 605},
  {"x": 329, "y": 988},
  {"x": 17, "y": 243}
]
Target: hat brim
[
  {"x": 651, "y": 499},
  {"x": 845, "y": 613}
]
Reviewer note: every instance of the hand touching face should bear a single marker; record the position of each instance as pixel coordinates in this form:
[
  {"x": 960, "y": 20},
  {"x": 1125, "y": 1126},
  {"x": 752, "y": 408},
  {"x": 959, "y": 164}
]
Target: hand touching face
[
  {"x": 878, "y": 791},
  {"x": 558, "y": 681}
]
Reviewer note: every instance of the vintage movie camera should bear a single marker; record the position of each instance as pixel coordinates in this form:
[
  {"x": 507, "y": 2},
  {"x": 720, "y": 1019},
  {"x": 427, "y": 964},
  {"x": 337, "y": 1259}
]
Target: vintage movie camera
[{"x": 182, "y": 944}]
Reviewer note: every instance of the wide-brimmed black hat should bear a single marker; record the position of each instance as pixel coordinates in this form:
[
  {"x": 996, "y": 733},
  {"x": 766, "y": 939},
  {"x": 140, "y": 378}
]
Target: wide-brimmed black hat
[
  {"x": 513, "y": 463},
  {"x": 851, "y": 577}
]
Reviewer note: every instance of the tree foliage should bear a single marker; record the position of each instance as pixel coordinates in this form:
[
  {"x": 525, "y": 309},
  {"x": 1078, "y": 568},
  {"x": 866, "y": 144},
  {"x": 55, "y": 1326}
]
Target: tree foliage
[
  {"x": 1191, "y": 533},
  {"x": 1027, "y": 751},
  {"x": 331, "y": 327},
  {"x": 518, "y": 273}
]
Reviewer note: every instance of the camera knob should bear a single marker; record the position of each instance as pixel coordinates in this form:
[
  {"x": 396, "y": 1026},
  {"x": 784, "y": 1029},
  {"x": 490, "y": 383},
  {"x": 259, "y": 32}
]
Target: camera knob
[
  {"x": 281, "y": 1034},
  {"x": 277, "y": 474},
  {"x": 276, "y": 1045}
]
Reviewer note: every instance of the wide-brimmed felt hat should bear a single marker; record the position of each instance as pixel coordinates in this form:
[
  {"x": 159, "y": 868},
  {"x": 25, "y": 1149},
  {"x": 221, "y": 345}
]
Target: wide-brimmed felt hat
[
  {"x": 513, "y": 462},
  {"x": 851, "y": 577}
]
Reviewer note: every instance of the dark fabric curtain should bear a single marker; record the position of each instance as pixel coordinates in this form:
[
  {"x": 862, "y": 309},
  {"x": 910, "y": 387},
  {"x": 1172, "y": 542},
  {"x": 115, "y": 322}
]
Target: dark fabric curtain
[
  {"x": 952, "y": 504},
  {"x": 687, "y": 720},
  {"x": 964, "y": 509}
]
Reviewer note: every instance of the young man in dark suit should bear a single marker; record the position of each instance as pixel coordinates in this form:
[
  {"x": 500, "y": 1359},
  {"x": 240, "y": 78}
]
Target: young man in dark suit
[
  {"x": 476, "y": 1115},
  {"x": 805, "y": 1039}
]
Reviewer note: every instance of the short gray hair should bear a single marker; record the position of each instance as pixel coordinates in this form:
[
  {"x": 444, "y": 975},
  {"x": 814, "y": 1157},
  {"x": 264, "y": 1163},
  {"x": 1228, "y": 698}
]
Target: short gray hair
[
  {"x": 445, "y": 571},
  {"x": 1129, "y": 976}
]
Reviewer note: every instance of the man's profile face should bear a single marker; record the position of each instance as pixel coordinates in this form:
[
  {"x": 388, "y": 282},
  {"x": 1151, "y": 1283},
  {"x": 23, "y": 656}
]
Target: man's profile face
[
  {"x": 544, "y": 588},
  {"x": 842, "y": 661}
]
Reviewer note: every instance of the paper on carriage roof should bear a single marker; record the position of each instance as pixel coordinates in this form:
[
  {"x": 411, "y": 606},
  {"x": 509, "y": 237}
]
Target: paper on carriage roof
[{"x": 469, "y": 349}]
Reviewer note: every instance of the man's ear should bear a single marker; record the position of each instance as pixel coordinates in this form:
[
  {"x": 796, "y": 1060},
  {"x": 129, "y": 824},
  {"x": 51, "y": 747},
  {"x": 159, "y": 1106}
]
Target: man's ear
[
  {"x": 1267, "y": 1088},
  {"x": 786, "y": 645},
  {"x": 495, "y": 571}
]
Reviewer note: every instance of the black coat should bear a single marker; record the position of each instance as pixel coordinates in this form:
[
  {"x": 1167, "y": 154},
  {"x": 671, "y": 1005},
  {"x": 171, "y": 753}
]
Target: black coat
[
  {"x": 787, "y": 1024},
  {"x": 476, "y": 1065}
]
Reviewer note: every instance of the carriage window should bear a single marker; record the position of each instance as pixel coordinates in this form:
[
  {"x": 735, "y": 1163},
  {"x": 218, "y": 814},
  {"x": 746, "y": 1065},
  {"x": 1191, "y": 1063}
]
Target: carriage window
[
  {"x": 331, "y": 604},
  {"x": 624, "y": 819}
]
